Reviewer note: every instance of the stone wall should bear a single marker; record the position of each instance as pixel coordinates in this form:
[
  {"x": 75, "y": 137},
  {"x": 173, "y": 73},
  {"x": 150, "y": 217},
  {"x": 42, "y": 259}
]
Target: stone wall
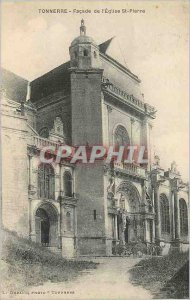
[
  {"x": 15, "y": 213},
  {"x": 86, "y": 107},
  {"x": 90, "y": 209},
  {"x": 121, "y": 79},
  {"x": 55, "y": 105}
]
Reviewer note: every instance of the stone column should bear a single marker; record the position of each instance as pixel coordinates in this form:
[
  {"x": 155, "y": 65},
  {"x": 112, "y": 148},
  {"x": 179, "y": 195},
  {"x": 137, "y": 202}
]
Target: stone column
[
  {"x": 60, "y": 214},
  {"x": 153, "y": 231},
  {"x": 107, "y": 128},
  {"x": 122, "y": 227},
  {"x": 145, "y": 225},
  {"x": 146, "y": 139},
  {"x": 153, "y": 221},
  {"x": 172, "y": 215},
  {"x": 29, "y": 197},
  {"x": 75, "y": 231},
  {"x": 106, "y": 110},
  {"x": 116, "y": 232},
  {"x": 31, "y": 151},
  {"x": 132, "y": 122},
  {"x": 176, "y": 215},
  {"x": 157, "y": 214}
]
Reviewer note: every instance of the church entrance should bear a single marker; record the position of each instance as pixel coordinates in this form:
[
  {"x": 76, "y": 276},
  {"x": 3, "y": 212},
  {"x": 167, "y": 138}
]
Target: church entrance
[
  {"x": 46, "y": 226},
  {"x": 129, "y": 207}
]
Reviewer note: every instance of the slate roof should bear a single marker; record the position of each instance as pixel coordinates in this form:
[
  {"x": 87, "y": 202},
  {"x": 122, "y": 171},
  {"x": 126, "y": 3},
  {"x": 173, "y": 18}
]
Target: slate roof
[
  {"x": 104, "y": 46},
  {"x": 15, "y": 86},
  {"x": 54, "y": 81}
]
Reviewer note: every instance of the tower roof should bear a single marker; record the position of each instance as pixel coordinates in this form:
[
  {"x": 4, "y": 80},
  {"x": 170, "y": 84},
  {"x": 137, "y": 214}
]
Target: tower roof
[
  {"x": 105, "y": 45},
  {"x": 83, "y": 38}
]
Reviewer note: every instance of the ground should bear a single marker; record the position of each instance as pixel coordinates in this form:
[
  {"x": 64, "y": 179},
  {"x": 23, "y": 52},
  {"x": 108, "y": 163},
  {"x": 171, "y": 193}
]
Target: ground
[
  {"x": 109, "y": 281},
  {"x": 37, "y": 273}
]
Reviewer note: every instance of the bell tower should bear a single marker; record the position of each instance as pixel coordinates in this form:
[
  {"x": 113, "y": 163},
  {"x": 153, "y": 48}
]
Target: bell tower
[
  {"x": 86, "y": 105},
  {"x": 84, "y": 52},
  {"x": 86, "y": 78}
]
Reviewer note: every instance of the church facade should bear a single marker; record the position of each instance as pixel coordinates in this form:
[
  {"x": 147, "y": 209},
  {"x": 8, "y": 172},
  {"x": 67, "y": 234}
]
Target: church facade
[{"x": 78, "y": 209}]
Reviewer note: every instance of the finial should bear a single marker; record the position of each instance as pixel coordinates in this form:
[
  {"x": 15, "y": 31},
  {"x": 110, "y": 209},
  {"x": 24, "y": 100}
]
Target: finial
[{"x": 82, "y": 28}]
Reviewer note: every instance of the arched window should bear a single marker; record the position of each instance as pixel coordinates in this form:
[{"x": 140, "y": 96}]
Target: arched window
[
  {"x": 67, "y": 181},
  {"x": 183, "y": 217},
  {"x": 121, "y": 137},
  {"x": 46, "y": 181},
  {"x": 85, "y": 52},
  {"x": 44, "y": 132},
  {"x": 68, "y": 221},
  {"x": 164, "y": 211}
]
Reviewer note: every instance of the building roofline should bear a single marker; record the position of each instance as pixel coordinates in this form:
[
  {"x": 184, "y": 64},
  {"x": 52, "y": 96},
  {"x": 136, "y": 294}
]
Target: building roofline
[
  {"x": 120, "y": 66},
  {"x": 103, "y": 55},
  {"x": 51, "y": 71}
]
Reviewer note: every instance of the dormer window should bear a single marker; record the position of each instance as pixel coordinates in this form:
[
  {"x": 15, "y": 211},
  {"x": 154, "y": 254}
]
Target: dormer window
[
  {"x": 95, "y": 54},
  {"x": 85, "y": 52},
  {"x": 75, "y": 54}
]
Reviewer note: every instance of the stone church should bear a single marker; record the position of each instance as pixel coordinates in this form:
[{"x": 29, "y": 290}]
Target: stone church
[{"x": 80, "y": 209}]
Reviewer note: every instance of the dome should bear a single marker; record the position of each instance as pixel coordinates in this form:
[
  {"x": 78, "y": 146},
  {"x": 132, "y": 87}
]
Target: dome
[{"x": 82, "y": 39}]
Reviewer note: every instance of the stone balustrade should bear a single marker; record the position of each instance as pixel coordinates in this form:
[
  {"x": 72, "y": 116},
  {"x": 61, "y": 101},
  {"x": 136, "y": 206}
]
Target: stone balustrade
[
  {"x": 40, "y": 142},
  {"x": 130, "y": 169},
  {"x": 129, "y": 98}
]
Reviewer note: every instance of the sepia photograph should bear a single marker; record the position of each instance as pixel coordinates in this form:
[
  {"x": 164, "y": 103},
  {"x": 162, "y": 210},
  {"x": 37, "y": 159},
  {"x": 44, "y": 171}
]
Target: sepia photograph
[{"x": 94, "y": 150}]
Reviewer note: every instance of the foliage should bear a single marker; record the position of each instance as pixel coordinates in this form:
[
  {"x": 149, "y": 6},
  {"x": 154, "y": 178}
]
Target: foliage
[
  {"x": 132, "y": 248},
  {"x": 156, "y": 272},
  {"x": 31, "y": 264}
]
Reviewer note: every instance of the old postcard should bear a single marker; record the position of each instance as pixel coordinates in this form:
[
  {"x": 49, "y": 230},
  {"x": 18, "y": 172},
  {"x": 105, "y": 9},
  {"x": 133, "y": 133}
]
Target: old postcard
[{"x": 94, "y": 150}]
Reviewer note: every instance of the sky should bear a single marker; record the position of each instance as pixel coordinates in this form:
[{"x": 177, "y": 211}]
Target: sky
[{"x": 154, "y": 45}]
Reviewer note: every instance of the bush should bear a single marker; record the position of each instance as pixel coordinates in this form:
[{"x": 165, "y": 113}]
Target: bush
[
  {"x": 154, "y": 250},
  {"x": 139, "y": 249},
  {"x": 156, "y": 272},
  {"x": 132, "y": 248}
]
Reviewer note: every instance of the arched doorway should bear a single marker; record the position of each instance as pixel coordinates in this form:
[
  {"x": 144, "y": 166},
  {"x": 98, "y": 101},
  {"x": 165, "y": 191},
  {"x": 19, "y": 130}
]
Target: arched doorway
[
  {"x": 43, "y": 226},
  {"x": 46, "y": 225},
  {"x": 129, "y": 212}
]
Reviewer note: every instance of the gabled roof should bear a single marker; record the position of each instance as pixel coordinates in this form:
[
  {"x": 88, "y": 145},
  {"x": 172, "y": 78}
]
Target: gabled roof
[
  {"x": 103, "y": 49},
  {"x": 105, "y": 45},
  {"x": 51, "y": 82}
]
